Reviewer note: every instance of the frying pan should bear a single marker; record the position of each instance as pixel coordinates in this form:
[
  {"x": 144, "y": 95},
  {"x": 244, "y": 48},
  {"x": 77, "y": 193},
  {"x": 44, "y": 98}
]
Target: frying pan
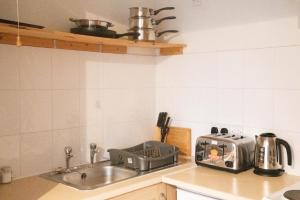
[
  {"x": 99, "y": 32},
  {"x": 91, "y": 23},
  {"x": 21, "y": 24}
]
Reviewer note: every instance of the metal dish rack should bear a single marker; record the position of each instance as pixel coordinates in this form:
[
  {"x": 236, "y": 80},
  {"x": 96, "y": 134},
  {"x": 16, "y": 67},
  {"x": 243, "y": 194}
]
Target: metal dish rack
[{"x": 145, "y": 156}]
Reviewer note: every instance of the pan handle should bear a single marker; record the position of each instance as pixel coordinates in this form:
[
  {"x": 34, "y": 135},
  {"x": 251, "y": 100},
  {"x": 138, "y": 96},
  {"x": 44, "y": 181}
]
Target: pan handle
[
  {"x": 165, "y": 8},
  {"x": 167, "y": 31},
  {"x": 156, "y": 22},
  {"x": 134, "y": 34}
]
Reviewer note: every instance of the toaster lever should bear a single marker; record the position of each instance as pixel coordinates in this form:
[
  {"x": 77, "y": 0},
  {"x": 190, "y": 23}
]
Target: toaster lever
[{"x": 223, "y": 146}]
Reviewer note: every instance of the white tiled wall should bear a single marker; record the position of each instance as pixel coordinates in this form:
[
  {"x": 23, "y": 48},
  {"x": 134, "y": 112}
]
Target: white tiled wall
[
  {"x": 53, "y": 98},
  {"x": 246, "y": 88}
]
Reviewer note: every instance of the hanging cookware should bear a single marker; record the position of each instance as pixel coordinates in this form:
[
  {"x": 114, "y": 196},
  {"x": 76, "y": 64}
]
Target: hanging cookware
[
  {"x": 15, "y": 23},
  {"x": 84, "y": 23},
  {"x": 148, "y": 34},
  {"x": 99, "y": 32},
  {"x": 146, "y": 12},
  {"x": 146, "y": 22}
]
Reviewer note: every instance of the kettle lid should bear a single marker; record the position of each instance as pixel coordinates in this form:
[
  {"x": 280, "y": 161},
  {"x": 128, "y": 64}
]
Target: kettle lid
[{"x": 267, "y": 135}]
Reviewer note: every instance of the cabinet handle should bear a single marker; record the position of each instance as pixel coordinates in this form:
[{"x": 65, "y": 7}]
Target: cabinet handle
[{"x": 163, "y": 196}]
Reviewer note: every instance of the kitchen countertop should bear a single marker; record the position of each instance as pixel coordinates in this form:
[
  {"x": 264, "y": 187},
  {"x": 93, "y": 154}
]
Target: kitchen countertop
[
  {"x": 228, "y": 186},
  {"x": 214, "y": 183}
]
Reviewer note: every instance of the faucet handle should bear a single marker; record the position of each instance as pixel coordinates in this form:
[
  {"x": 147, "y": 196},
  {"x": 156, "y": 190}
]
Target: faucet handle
[
  {"x": 93, "y": 146},
  {"x": 68, "y": 149}
]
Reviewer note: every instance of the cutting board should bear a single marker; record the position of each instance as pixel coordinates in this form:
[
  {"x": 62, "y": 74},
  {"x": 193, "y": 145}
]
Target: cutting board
[{"x": 180, "y": 137}]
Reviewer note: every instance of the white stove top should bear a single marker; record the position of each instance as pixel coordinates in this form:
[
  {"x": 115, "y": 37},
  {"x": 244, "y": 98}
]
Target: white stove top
[{"x": 279, "y": 195}]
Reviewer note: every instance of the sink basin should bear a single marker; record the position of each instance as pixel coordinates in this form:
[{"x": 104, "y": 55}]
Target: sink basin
[{"x": 90, "y": 177}]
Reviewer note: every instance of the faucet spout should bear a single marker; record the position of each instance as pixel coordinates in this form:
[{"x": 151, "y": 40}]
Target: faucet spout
[
  {"x": 69, "y": 155},
  {"x": 93, "y": 151}
]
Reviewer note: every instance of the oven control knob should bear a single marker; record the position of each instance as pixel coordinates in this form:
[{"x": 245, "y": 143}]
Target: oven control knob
[{"x": 229, "y": 164}]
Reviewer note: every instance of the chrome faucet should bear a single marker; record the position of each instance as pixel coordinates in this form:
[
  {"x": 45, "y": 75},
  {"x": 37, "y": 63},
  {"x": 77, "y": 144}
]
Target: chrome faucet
[
  {"x": 69, "y": 155},
  {"x": 93, "y": 151}
]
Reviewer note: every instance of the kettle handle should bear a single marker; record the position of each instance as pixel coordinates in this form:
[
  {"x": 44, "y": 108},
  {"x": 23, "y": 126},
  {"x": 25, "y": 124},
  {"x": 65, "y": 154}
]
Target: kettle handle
[{"x": 288, "y": 150}]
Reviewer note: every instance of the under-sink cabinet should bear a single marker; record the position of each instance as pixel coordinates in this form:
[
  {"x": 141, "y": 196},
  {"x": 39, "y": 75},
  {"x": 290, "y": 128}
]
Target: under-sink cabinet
[{"x": 159, "y": 191}]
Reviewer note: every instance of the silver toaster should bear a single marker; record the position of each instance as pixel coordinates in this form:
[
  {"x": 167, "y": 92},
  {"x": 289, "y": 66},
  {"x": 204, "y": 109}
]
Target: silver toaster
[{"x": 229, "y": 152}]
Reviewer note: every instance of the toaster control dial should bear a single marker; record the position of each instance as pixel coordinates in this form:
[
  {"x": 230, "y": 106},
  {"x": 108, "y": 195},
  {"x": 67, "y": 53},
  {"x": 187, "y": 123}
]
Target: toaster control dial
[
  {"x": 214, "y": 131},
  {"x": 229, "y": 164},
  {"x": 200, "y": 156},
  {"x": 224, "y": 131}
]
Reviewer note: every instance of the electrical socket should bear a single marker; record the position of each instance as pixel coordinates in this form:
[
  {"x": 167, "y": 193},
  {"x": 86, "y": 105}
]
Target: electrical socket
[{"x": 196, "y": 3}]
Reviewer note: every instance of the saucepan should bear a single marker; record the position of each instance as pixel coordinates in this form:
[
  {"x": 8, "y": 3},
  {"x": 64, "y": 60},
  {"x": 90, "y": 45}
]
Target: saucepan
[
  {"x": 148, "y": 34},
  {"x": 146, "y": 12},
  {"x": 146, "y": 22},
  {"x": 91, "y": 23}
]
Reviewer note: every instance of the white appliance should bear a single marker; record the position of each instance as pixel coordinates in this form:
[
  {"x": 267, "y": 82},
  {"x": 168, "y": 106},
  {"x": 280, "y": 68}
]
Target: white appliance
[
  {"x": 187, "y": 195},
  {"x": 279, "y": 195}
]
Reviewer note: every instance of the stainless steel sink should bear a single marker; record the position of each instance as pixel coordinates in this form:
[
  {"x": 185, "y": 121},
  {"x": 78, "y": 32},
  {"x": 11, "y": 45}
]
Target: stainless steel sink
[{"x": 88, "y": 177}]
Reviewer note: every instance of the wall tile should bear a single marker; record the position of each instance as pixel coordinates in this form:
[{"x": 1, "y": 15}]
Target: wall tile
[
  {"x": 121, "y": 131},
  {"x": 165, "y": 100},
  {"x": 259, "y": 67},
  {"x": 36, "y": 111},
  {"x": 286, "y": 70},
  {"x": 231, "y": 69},
  {"x": 35, "y": 68},
  {"x": 65, "y": 69},
  {"x": 90, "y": 107},
  {"x": 194, "y": 70},
  {"x": 258, "y": 108},
  {"x": 65, "y": 109},
  {"x": 36, "y": 150},
  {"x": 195, "y": 104},
  {"x": 230, "y": 106},
  {"x": 88, "y": 135},
  {"x": 90, "y": 70},
  {"x": 124, "y": 105},
  {"x": 286, "y": 110},
  {"x": 61, "y": 139},
  {"x": 9, "y": 112},
  {"x": 134, "y": 72},
  {"x": 9, "y": 67},
  {"x": 9, "y": 153}
]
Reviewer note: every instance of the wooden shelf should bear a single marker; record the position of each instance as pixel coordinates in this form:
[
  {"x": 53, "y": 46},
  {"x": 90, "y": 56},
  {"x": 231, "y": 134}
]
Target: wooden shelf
[{"x": 63, "y": 40}]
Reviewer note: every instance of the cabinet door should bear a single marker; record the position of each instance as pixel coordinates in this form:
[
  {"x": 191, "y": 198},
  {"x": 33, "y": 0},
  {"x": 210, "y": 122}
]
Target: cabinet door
[
  {"x": 153, "y": 192},
  {"x": 185, "y": 195}
]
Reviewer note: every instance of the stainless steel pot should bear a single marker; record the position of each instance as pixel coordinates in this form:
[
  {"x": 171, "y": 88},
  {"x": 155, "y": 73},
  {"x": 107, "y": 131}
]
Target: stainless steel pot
[
  {"x": 146, "y": 22},
  {"x": 84, "y": 23},
  {"x": 146, "y": 12},
  {"x": 148, "y": 34}
]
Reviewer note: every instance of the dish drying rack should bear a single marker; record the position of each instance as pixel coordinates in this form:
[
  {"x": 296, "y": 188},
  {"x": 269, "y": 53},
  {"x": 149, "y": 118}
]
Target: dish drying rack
[{"x": 145, "y": 156}]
